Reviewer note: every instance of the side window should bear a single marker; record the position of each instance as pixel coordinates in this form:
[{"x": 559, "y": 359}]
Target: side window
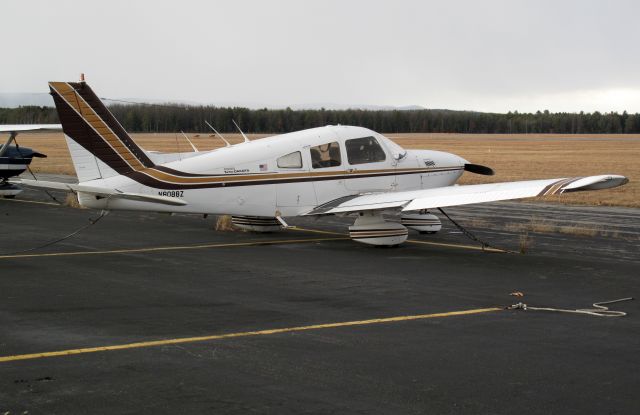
[
  {"x": 364, "y": 150},
  {"x": 325, "y": 155},
  {"x": 291, "y": 161}
]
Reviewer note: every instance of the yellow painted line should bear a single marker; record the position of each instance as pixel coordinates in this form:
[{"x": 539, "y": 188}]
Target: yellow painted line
[
  {"x": 342, "y": 237},
  {"x": 473, "y": 247},
  {"x": 29, "y": 201},
  {"x": 172, "y": 248},
  {"x": 297, "y": 228},
  {"x": 243, "y": 334},
  {"x": 448, "y": 245}
]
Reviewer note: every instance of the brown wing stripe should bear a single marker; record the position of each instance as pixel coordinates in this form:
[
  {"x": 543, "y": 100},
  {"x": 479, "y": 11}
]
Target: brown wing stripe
[
  {"x": 564, "y": 185},
  {"x": 550, "y": 186},
  {"x": 558, "y": 187}
]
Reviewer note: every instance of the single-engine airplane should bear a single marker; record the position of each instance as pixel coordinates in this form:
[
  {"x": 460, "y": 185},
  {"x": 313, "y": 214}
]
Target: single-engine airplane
[
  {"x": 339, "y": 170},
  {"x": 14, "y": 160}
]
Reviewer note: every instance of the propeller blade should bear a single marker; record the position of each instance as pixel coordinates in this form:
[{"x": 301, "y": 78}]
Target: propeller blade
[{"x": 479, "y": 169}]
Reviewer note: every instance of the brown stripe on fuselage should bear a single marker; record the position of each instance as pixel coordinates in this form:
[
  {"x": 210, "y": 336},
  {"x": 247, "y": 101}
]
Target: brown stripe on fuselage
[
  {"x": 176, "y": 177},
  {"x": 178, "y": 173},
  {"x": 154, "y": 178}
]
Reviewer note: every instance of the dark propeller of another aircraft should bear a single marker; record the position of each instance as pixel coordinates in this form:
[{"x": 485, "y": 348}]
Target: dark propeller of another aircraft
[
  {"x": 479, "y": 169},
  {"x": 14, "y": 160}
]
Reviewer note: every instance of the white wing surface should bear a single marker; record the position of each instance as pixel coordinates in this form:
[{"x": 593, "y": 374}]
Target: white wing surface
[
  {"x": 14, "y": 128},
  {"x": 465, "y": 195}
]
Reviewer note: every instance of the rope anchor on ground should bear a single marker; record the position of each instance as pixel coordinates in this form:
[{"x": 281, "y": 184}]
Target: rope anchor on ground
[{"x": 598, "y": 310}]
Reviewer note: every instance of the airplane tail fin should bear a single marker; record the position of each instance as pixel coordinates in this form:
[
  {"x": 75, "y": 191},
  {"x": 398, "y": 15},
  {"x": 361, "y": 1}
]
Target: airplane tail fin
[{"x": 99, "y": 145}]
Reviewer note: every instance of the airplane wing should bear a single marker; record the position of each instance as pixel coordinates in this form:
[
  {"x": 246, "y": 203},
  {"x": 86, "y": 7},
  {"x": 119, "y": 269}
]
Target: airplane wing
[
  {"x": 13, "y": 128},
  {"x": 101, "y": 192},
  {"x": 467, "y": 194}
]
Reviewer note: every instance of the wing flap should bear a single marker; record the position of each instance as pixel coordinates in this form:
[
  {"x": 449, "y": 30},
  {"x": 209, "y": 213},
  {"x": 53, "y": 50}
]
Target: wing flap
[{"x": 468, "y": 194}]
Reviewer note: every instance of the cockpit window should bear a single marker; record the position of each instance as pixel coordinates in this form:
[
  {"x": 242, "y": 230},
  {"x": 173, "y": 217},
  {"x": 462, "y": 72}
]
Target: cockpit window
[
  {"x": 325, "y": 155},
  {"x": 364, "y": 150},
  {"x": 291, "y": 161}
]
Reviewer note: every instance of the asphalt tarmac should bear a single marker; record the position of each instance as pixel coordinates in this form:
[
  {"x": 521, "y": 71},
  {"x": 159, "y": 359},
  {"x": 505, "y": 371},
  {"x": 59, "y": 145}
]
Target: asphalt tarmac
[{"x": 286, "y": 322}]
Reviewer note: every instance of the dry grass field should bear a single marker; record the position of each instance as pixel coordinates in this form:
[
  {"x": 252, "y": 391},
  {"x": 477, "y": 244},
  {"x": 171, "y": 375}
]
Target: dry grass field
[
  {"x": 513, "y": 157},
  {"x": 523, "y": 157}
]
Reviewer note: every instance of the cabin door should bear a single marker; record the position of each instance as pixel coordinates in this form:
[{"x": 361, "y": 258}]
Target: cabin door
[
  {"x": 370, "y": 168},
  {"x": 295, "y": 193}
]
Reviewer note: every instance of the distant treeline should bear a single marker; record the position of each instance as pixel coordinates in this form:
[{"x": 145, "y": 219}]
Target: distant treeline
[{"x": 173, "y": 118}]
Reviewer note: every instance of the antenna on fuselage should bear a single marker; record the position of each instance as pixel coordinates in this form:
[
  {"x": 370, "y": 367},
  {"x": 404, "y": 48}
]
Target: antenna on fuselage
[
  {"x": 192, "y": 146},
  {"x": 246, "y": 139},
  {"x": 218, "y": 134}
]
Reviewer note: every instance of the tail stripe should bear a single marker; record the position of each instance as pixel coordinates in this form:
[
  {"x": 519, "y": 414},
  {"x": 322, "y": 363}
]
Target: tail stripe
[
  {"x": 102, "y": 138},
  {"x": 112, "y": 123}
]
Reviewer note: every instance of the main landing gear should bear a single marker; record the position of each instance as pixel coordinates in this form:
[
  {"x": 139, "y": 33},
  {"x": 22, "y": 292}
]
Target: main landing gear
[
  {"x": 8, "y": 190},
  {"x": 423, "y": 222},
  {"x": 256, "y": 223},
  {"x": 371, "y": 228}
]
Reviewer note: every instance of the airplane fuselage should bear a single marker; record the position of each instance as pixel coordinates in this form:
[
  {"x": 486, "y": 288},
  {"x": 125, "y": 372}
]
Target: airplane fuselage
[{"x": 283, "y": 175}]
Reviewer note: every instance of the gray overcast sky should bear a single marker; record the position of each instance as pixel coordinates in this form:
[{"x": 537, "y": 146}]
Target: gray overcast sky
[{"x": 478, "y": 55}]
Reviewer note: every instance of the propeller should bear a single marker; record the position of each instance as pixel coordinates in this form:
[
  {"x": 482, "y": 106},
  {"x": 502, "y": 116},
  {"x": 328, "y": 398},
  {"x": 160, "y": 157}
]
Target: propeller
[{"x": 479, "y": 169}]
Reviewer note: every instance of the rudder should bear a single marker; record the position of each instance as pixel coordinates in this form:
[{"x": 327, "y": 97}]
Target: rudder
[{"x": 87, "y": 121}]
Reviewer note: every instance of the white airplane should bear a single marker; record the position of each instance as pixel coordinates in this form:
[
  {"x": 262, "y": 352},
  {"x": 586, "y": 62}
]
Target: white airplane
[{"x": 320, "y": 171}]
